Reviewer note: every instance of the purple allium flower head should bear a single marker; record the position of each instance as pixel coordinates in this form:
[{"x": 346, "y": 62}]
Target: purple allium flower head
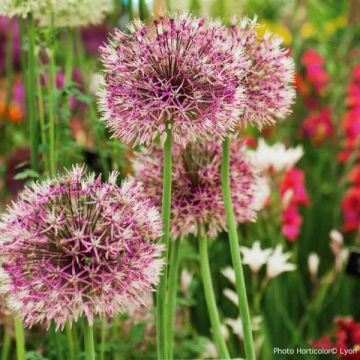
[
  {"x": 74, "y": 245},
  {"x": 179, "y": 71},
  {"x": 196, "y": 190},
  {"x": 269, "y": 77}
]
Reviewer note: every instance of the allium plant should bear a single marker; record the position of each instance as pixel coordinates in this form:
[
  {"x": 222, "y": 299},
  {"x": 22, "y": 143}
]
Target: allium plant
[
  {"x": 196, "y": 192},
  {"x": 197, "y": 205},
  {"x": 269, "y": 76},
  {"x": 75, "y": 246},
  {"x": 58, "y": 13},
  {"x": 177, "y": 72}
]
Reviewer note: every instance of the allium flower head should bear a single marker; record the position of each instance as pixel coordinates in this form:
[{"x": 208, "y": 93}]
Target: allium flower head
[
  {"x": 269, "y": 78},
  {"x": 74, "y": 245},
  {"x": 179, "y": 72},
  {"x": 59, "y": 13},
  {"x": 74, "y": 13},
  {"x": 20, "y": 8},
  {"x": 196, "y": 193}
]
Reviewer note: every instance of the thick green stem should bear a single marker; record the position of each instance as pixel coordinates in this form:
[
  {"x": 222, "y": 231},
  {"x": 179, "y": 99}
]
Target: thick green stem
[
  {"x": 173, "y": 286},
  {"x": 31, "y": 94},
  {"x": 210, "y": 297},
  {"x": 89, "y": 341},
  {"x": 71, "y": 342},
  {"x": 6, "y": 345},
  {"x": 20, "y": 339},
  {"x": 235, "y": 251},
  {"x": 103, "y": 338},
  {"x": 166, "y": 212}
]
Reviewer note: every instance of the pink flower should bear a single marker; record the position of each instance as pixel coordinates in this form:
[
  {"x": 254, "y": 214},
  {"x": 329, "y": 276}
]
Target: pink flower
[
  {"x": 269, "y": 77},
  {"x": 291, "y": 221},
  {"x": 293, "y": 193},
  {"x": 294, "y": 180},
  {"x": 178, "y": 72},
  {"x": 196, "y": 193},
  {"x": 74, "y": 245},
  {"x": 351, "y": 209},
  {"x": 315, "y": 73}
]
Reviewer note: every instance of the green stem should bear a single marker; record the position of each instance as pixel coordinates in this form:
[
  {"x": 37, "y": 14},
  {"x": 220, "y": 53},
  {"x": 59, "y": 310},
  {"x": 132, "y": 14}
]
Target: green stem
[
  {"x": 71, "y": 343},
  {"x": 52, "y": 104},
  {"x": 31, "y": 97},
  {"x": 55, "y": 335},
  {"x": 44, "y": 141},
  {"x": 210, "y": 296},
  {"x": 103, "y": 338},
  {"x": 69, "y": 65},
  {"x": 20, "y": 339},
  {"x": 116, "y": 335},
  {"x": 166, "y": 212},
  {"x": 235, "y": 251},
  {"x": 89, "y": 342},
  {"x": 6, "y": 345},
  {"x": 173, "y": 286}
]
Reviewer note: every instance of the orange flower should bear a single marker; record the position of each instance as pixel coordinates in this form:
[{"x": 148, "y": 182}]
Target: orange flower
[{"x": 15, "y": 113}]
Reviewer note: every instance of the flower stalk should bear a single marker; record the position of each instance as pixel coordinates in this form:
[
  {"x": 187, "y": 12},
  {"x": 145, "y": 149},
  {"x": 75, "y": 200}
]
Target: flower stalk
[
  {"x": 89, "y": 341},
  {"x": 161, "y": 321},
  {"x": 31, "y": 93},
  {"x": 20, "y": 338},
  {"x": 210, "y": 296},
  {"x": 173, "y": 286},
  {"x": 235, "y": 251}
]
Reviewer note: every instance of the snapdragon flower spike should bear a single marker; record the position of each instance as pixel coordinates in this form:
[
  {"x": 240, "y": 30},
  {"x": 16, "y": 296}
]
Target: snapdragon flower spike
[
  {"x": 75, "y": 246},
  {"x": 180, "y": 72},
  {"x": 196, "y": 190},
  {"x": 269, "y": 76}
]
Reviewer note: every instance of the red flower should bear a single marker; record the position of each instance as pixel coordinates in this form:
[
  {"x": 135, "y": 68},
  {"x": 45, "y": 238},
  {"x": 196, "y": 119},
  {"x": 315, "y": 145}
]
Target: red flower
[
  {"x": 351, "y": 209},
  {"x": 318, "y": 127},
  {"x": 354, "y": 175},
  {"x": 346, "y": 339}
]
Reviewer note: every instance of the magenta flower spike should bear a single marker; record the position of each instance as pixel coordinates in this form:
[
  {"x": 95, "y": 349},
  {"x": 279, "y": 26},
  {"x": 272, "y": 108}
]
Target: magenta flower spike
[
  {"x": 196, "y": 194},
  {"x": 268, "y": 77},
  {"x": 177, "y": 71},
  {"x": 74, "y": 246}
]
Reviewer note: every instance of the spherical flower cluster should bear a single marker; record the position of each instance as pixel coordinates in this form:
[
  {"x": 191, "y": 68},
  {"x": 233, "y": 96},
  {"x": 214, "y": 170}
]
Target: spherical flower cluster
[
  {"x": 21, "y": 8},
  {"x": 269, "y": 77},
  {"x": 59, "y": 13},
  {"x": 196, "y": 193},
  {"x": 177, "y": 72},
  {"x": 74, "y": 13},
  {"x": 74, "y": 245}
]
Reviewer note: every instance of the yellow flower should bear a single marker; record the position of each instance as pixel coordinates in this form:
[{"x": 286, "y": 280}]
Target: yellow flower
[
  {"x": 307, "y": 30},
  {"x": 278, "y": 29}
]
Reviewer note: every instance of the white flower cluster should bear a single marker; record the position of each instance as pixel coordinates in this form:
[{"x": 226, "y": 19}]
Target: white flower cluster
[
  {"x": 21, "y": 8},
  {"x": 59, "y": 13},
  {"x": 277, "y": 157}
]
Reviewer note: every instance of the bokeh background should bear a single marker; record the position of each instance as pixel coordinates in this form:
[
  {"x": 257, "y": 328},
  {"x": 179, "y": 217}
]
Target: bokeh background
[{"x": 317, "y": 225}]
